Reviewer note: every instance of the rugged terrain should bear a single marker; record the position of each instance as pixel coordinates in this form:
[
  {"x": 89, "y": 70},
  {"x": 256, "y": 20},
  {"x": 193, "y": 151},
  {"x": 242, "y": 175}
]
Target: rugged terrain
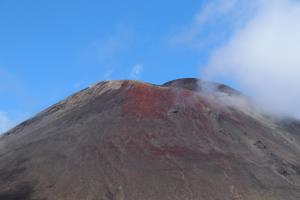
[{"x": 128, "y": 140}]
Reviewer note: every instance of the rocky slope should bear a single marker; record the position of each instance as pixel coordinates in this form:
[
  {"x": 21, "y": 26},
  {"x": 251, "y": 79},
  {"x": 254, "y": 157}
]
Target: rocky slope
[{"x": 127, "y": 140}]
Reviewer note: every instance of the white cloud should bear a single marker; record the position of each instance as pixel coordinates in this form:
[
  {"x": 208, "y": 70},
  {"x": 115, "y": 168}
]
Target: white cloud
[
  {"x": 136, "y": 71},
  {"x": 264, "y": 56}
]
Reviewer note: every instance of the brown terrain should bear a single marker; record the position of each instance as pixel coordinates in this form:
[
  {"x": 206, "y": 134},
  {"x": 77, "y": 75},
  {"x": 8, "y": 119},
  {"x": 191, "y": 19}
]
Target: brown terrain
[{"x": 128, "y": 140}]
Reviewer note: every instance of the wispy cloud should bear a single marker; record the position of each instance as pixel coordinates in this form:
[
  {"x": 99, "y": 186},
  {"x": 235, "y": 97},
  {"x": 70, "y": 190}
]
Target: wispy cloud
[
  {"x": 12, "y": 89},
  {"x": 108, "y": 74},
  {"x": 136, "y": 71},
  {"x": 109, "y": 52},
  {"x": 111, "y": 46},
  {"x": 5, "y": 123},
  {"x": 79, "y": 84},
  {"x": 13, "y": 86},
  {"x": 216, "y": 20},
  {"x": 107, "y": 47},
  {"x": 9, "y": 82}
]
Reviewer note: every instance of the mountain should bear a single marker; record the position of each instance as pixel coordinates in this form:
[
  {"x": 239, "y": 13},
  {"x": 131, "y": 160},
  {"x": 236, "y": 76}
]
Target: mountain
[{"x": 127, "y": 140}]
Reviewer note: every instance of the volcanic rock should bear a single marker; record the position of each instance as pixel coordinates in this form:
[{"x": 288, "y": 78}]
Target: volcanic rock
[{"x": 129, "y": 140}]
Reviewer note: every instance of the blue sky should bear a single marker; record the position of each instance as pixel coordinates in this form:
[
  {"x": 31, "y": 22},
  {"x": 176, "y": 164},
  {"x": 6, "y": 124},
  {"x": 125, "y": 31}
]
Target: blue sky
[{"x": 52, "y": 48}]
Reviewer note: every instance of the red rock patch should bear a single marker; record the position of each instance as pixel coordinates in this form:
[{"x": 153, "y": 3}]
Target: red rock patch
[{"x": 143, "y": 100}]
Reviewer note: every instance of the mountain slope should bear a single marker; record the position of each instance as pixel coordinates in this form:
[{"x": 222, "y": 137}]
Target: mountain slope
[{"x": 120, "y": 140}]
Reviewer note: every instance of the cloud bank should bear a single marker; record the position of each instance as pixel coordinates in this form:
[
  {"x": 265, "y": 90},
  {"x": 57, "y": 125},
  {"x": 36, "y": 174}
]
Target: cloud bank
[{"x": 263, "y": 55}]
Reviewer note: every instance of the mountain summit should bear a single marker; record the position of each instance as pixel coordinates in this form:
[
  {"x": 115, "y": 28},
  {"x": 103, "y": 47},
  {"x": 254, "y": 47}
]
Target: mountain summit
[{"x": 126, "y": 140}]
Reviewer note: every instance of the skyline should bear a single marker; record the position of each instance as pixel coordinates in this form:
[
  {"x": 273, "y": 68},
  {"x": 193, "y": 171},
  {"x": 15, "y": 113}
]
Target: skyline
[{"x": 51, "y": 49}]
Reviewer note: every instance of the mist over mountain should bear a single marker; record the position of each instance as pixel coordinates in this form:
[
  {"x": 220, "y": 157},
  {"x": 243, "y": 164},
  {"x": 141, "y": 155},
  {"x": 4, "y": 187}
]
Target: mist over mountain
[
  {"x": 119, "y": 140},
  {"x": 261, "y": 53}
]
